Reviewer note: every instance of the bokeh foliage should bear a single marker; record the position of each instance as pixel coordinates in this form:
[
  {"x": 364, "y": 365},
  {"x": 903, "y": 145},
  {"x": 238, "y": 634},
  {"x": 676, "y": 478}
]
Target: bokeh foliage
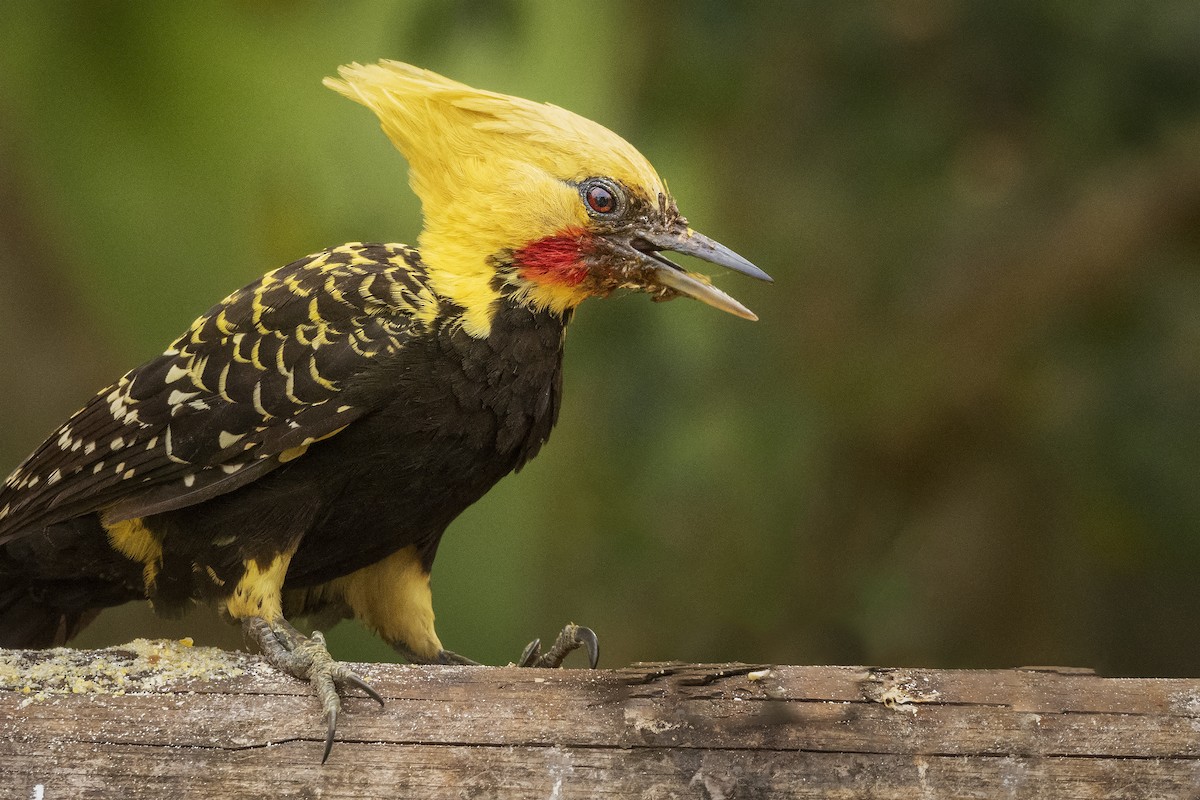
[{"x": 966, "y": 431}]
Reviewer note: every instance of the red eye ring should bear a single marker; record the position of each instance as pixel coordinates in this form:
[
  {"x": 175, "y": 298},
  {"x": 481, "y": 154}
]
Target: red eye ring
[{"x": 601, "y": 197}]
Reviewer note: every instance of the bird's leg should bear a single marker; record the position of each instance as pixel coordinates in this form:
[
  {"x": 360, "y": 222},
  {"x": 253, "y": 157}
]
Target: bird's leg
[
  {"x": 307, "y": 658},
  {"x": 571, "y": 638},
  {"x": 393, "y": 597},
  {"x": 446, "y": 657}
]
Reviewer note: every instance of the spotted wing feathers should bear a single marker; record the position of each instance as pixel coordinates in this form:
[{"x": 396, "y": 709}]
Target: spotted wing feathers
[{"x": 250, "y": 386}]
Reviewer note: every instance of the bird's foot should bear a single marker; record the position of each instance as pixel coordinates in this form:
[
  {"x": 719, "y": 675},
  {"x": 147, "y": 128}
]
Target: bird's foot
[
  {"x": 571, "y": 638},
  {"x": 452, "y": 658},
  {"x": 307, "y": 658}
]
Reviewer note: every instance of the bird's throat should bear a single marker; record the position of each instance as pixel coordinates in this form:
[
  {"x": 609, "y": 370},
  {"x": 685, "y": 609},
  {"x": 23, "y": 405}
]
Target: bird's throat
[
  {"x": 551, "y": 271},
  {"x": 557, "y": 260}
]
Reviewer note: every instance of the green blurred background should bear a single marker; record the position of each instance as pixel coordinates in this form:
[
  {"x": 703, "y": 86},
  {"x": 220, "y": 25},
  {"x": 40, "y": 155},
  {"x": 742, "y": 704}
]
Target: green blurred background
[{"x": 966, "y": 431}]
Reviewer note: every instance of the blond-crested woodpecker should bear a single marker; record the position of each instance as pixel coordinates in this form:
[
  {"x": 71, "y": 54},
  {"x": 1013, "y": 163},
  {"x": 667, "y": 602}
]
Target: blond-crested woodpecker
[{"x": 302, "y": 447}]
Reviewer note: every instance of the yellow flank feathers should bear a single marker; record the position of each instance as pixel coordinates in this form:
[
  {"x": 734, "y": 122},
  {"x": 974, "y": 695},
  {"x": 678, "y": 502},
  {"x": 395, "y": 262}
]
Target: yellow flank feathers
[
  {"x": 491, "y": 171},
  {"x": 393, "y": 597},
  {"x": 257, "y": 593},
  {"x": 132, "y": 539}
]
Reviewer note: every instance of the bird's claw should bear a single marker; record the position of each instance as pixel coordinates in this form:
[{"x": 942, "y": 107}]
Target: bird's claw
[
  {"x": 307, "y": 658},
  {"x": 365, "y": 687},
  {"x": 571, "y": 638}
]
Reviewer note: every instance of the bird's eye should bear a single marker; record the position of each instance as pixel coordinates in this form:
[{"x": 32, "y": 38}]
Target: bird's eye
[{"x": 602, "y": 197}]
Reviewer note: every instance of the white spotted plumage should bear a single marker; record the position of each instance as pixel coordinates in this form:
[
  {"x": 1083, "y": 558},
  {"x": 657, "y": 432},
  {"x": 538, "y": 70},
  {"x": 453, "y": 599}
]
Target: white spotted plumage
[{"x": 250, "y": 380}]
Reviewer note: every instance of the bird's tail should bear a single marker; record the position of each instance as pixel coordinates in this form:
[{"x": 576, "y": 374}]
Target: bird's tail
[{"x": 55, "y": 581}]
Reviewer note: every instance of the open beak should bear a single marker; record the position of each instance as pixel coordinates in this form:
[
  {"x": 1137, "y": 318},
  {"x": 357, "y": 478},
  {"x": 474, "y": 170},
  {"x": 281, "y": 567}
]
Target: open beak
[{"x": 681, "y": 239}]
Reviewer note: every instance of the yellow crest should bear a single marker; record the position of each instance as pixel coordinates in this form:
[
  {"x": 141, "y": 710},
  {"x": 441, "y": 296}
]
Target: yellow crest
[{"x": 492, "y": 171}]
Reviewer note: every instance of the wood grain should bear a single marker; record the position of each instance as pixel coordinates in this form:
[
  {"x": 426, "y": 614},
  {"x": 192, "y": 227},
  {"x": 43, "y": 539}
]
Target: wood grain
[{"x": 711, "y": 731}]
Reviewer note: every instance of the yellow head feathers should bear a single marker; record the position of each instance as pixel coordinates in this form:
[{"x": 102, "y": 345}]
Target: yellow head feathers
[
  {"x": 438, "y": 124},
  {"x": 529, "y": 202},
  {"x": 493, "y": 172}
]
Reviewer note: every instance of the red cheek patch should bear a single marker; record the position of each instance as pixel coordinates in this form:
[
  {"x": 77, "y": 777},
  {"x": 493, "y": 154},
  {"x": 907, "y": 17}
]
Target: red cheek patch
[{"x": 556, "y": 259}]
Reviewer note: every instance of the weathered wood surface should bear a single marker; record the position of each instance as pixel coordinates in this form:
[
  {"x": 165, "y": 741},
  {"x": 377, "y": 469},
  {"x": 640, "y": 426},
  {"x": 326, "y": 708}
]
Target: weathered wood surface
[{"x": 648, "y": 730}]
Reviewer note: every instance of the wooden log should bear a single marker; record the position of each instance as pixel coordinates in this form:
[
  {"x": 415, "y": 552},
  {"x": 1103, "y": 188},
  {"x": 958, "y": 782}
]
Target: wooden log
[{"x": 162, "y": 720}]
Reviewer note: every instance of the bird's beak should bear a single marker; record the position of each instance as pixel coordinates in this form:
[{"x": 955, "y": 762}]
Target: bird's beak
[{"x": 661, "y": 272}]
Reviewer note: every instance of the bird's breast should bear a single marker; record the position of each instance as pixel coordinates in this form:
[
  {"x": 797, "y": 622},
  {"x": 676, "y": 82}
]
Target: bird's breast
[{"x": 463, "y": 412}]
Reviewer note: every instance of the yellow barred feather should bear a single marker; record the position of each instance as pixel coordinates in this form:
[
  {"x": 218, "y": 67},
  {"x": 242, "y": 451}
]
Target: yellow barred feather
[{"x": 252, "y": 384}]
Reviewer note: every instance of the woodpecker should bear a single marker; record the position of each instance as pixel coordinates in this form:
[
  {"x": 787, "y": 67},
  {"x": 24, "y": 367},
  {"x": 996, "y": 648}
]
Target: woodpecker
[{"x": 303, "y": 446}]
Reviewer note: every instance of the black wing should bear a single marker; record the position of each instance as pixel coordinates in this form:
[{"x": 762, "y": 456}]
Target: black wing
[{"x": 251, "y": 385}]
